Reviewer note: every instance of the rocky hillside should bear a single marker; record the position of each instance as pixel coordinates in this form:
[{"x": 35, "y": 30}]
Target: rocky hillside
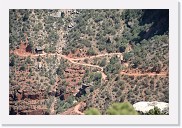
[{"x": 67, "y": 61}]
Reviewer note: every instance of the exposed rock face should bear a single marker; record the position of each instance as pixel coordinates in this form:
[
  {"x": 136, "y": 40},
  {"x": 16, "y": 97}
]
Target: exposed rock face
[
  {"x": 28, "y": 102},
  {"x": 33, "y": 112},
  {"x": 21, "y": 96},
  {"x": 144, "y": 107}
]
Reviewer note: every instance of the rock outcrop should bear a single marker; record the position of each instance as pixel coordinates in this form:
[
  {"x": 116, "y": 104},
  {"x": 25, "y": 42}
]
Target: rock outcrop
[{"x": 144, "y": 107}]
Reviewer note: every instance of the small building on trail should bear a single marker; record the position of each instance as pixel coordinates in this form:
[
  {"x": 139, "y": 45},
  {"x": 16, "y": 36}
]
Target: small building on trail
[{"x": 39, "y": 50}]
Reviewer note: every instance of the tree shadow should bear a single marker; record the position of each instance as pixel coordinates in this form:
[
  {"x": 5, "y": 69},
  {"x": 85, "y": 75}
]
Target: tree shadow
[{"x": 160, "y": 23}]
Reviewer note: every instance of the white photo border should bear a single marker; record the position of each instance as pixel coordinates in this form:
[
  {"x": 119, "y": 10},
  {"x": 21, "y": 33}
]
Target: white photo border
[{"x": 171, "y": 119}]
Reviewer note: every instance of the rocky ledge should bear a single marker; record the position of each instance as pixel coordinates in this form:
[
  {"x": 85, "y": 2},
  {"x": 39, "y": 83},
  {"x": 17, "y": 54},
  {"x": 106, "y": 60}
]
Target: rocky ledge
[{"x": 144, "y": 107}]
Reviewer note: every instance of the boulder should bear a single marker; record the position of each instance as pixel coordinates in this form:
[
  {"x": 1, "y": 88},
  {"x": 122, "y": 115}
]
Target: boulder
[{"x": 144, "y": 107}]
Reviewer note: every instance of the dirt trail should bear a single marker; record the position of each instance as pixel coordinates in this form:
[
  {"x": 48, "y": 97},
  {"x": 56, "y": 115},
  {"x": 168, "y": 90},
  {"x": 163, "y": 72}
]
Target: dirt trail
[
  {"x": 26, "y": 54},
  {"x": 72, "y": 60},
  {"x": 67, "y": 58},
  {"x": 75, "y": 110},
  {"x": 96, "y": 56},
  {"x": 78, "y": 106},
  {"x": 164, "y": 74},
  {"x": 104, "y": 76},
  {"x": 52, "y": 111}
]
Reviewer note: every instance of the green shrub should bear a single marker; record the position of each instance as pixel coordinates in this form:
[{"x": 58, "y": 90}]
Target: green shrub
[
  {"x": 12, "y": 61},
  {"x": 103, "y": 62},
  {"x": 22, "y": 68},
  {"x": 92, "y": 111},
  {"x": 155, "y": 111},
  {"x": 91, "y": 52},
  {"x": 124, "y": 108}
]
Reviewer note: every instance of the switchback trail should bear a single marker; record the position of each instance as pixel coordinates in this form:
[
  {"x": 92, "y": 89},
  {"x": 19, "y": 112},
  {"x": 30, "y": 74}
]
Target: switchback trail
[{"x": 72, "y": 60}]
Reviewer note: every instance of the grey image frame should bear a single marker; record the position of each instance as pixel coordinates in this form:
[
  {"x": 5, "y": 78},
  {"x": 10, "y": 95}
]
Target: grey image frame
[{"x": 9, "y": 120}]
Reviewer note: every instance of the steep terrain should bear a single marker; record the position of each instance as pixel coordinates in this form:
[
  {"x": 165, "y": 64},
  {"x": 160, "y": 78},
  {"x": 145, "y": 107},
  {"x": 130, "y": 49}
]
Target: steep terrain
[{"x": 66, "y": 61}]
